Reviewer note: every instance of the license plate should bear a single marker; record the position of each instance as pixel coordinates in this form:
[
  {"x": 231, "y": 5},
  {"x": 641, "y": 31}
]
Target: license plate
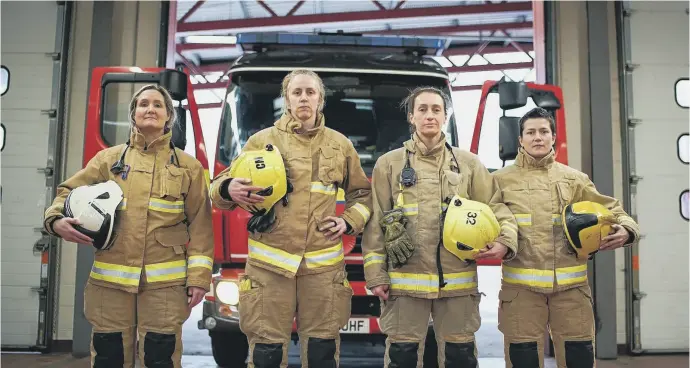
[{"x": 356, "y": 326}]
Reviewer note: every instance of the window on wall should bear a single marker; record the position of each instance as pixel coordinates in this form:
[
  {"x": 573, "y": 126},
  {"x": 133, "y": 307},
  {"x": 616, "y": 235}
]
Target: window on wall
[
  {"x": 684, "y": 206},
  {"x": 4, "y": 80},
  {"x": 2, "y": 137},
  {"x": 684, "y": 148},
  {"x": 682, "y": 92}
]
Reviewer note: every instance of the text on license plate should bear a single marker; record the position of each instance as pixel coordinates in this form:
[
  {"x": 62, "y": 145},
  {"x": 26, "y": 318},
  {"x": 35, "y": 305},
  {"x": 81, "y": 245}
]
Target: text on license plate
[{"x": 356, "y": 326}]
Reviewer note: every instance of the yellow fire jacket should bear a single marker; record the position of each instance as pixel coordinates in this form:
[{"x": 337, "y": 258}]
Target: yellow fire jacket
[
  {"x": 165, "y": 235},
  {"x": 423, "y": 204},
  {"x": 320, "y": 162},
  {"x": 536, "y": 191}
]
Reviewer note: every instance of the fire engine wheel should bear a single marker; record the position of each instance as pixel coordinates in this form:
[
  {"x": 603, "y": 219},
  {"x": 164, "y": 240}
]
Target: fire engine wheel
[{"x": 230, "y": 349}]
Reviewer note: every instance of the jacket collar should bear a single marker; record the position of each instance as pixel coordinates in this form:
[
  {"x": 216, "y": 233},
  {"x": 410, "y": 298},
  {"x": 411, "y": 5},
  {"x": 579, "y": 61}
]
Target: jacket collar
[
  {"x": 138, "y": 141},
  {"x": 416, "y": 143},
  {"x": 289, "y": 124},
  {"x": 524, "y": 159}
]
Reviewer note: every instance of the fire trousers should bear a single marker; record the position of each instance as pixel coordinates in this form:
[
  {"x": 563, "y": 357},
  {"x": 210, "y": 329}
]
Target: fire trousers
[
  {"x": 405, "y": 320},
  {"x": 269, "y": 303},
  {"x": 119, "y": 319},
  {"x": 523, "y": 317}
]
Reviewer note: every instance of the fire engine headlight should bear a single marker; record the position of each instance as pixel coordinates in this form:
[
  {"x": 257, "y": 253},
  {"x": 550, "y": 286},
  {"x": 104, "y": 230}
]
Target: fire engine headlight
[{"x": 228, "y": 292}]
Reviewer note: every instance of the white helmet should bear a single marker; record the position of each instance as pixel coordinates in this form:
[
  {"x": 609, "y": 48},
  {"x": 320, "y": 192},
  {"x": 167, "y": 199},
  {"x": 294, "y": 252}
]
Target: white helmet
[{"x": 95, "y": 207}]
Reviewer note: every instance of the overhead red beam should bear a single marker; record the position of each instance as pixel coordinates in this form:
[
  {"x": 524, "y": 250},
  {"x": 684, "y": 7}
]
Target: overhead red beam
[
  {"x": 190, "y": 11},
  {"x": 210, "y": 105},
  {"x": 487, "y": 50},
  {"x": 373, "y": 15},
  {"x": 453, "y": 29},
  {"x": 487, "y": 68},
  {"x": 466, "y": 88}
]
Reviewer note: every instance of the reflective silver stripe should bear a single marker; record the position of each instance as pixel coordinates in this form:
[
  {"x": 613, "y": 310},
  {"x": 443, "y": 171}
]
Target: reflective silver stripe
[
  {"x": 411, "y": 281},
  {"x": 373, "y": 258},
  {"x": 113, "y": 273},
  {"x": 410, "y": 209},
  {"x": 363, "y": 210},
  {"x": 325, "y": 257},
  {"x": 288, "y": 262},
  {"x": 200, "y": 261},
  {"x": 165, "y": 271},
  {"x": 571, "y": 275},
  {"x": 461, "y": 280},
  {"x": 318, "y": 187},
  {"x": 166, "y": 206},
  {"x": 524, "y": 277}
]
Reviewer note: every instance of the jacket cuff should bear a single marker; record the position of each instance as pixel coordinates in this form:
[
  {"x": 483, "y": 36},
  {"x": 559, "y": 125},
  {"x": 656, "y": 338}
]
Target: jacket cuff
[
  {"x": 219, "y": 194},
  {"x": 356, "y": 226},
  {"x": 48, "y": 224},
  {"x": 512, "y": 249},
  {"x": 378, "y": 281},
  {"x": 224, "y": 192},
  {"x": 196, "y": 282}
]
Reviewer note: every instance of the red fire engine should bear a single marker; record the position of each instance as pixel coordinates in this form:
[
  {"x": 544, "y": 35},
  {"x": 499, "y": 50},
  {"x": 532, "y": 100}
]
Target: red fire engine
[{"x": 366, "y": 79}]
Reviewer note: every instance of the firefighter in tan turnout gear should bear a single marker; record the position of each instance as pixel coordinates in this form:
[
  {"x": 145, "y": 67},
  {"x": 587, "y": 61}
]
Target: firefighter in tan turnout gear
[
  {"x": 406, "y": 262},
  {"x": 547, "y": 282},
  {"x": 144, "y": 283},
  {"x": 296, "y": 256}
]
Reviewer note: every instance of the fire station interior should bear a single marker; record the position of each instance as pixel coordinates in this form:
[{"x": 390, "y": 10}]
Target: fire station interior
[{"x": 620, "y": 69}]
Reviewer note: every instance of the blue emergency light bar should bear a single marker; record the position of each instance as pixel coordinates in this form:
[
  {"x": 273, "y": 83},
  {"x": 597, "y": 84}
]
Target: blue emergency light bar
[{"x": 253, "y": 39}]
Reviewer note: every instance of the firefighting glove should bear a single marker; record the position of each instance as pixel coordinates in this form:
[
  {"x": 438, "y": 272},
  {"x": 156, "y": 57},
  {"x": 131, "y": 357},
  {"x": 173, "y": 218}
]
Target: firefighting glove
[
  {"x": 262, "y": 221},
  {"x": 399, "y": 246}
]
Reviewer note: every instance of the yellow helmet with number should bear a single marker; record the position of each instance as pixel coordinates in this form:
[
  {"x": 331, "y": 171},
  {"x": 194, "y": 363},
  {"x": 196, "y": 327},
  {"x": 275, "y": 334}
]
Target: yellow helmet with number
[
  {"x": 468, "y": 226},
  {"x": 266, "y": 169},
  {"x": 585, "y": 224}
]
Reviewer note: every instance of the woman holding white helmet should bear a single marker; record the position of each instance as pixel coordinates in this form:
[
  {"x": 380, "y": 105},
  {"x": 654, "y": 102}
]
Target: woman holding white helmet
[{"x": 158, "y": 263}]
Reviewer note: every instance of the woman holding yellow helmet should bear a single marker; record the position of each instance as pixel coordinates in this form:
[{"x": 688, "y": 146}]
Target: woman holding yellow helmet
[
  {"x": 295, "y": 249},
  {"x": 562, "y": 221},
  {"x": 434, "y": 208}
]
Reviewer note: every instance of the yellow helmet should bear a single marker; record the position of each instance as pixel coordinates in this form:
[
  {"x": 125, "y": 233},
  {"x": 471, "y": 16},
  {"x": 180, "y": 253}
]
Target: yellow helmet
[
  {"x": 468, "y": 226},
  {"x": 266, "y": 169},
  {"x": 585, "y": 224}
]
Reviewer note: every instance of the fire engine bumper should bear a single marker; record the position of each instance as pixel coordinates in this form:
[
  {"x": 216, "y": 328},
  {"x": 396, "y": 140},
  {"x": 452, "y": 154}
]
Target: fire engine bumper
[{"x": 219, "y": 317}]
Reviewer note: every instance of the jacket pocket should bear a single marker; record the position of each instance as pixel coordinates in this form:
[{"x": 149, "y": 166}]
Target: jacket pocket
[
  {"x": 250, "y": 307},
  {"x": 507, "y": 319},
  {"x": 565, "y": 193},
  {"x": 175, "y": 237},
  {"x": 331, "y": 165},
  {"x": 452, "y": 185},
  {"x": 342, "y": 299},
  {"x": 173, "y": 182}
]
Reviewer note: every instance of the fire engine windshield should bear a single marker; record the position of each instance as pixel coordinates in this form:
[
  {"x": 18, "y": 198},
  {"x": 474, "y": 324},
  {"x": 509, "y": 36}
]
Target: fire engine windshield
[{"x": 363, "y": 107}]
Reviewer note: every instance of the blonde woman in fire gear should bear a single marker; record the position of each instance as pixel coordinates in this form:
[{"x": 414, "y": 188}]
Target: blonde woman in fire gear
[
  {"x": 144, "y": 286},
  {"x": 545, "y": 283},
  {"x": 431, "y": 281},
  {"x": 297, "y": 265}
]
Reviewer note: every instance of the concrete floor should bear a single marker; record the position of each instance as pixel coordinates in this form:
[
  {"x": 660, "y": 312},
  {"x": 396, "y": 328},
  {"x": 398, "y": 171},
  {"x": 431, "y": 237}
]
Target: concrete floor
[{"x": 197, "y": 345}]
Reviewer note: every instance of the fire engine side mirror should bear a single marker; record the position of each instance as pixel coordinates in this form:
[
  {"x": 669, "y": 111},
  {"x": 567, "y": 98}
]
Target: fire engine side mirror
[
  {"x": 512, "y": 95},
  {"x": 546, "y": 100},
  {"x": 179, "y": 133},
  {"x": 175, "y": 82},
  {"x": 508, "y": 133}
]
